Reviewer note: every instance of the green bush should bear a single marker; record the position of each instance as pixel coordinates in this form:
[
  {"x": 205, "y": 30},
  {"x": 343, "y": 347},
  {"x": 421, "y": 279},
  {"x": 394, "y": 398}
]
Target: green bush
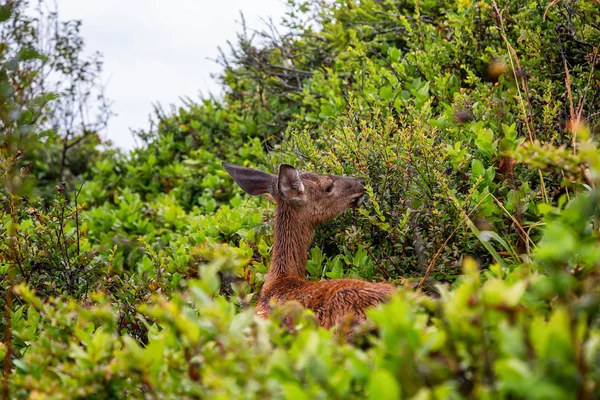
[
  {"x": 421, "y": 115},
  {"x": 475, "y": 129},
  {"x": 495, "y": 335}
]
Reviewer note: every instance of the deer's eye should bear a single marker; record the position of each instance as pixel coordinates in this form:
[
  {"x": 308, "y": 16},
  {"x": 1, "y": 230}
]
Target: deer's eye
[{"x": 329, "y": 188}]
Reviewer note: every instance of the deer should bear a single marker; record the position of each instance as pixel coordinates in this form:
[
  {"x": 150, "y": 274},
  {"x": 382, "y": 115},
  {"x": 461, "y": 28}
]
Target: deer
[{"x": 303, "y": 201}]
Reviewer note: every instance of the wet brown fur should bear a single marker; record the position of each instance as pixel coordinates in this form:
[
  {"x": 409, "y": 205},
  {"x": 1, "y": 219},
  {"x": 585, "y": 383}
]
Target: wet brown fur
[{"x": 305, "y": 200}]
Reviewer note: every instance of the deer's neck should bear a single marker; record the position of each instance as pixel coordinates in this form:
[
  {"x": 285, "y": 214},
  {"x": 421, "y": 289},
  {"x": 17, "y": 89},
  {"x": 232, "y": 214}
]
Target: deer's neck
[{"x": 291, "y": 243}]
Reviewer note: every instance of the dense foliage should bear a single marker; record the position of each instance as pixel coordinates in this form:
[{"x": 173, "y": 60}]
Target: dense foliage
[{"x": 474, "y": 125}]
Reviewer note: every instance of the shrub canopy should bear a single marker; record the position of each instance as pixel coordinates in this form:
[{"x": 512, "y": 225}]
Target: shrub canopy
[{"x": 474, "y": 125}]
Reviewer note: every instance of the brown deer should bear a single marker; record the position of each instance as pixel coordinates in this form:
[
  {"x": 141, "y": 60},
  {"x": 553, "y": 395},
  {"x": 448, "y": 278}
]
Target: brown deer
[{"x": 303, "y": 201}]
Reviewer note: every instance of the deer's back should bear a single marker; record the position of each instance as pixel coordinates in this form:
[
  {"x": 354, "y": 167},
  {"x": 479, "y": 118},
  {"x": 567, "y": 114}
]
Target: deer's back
[{"x": 330, "y": 300}]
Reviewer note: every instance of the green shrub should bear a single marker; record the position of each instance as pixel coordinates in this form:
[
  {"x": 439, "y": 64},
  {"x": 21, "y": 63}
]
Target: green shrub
[{"x": 474, "y": 127}]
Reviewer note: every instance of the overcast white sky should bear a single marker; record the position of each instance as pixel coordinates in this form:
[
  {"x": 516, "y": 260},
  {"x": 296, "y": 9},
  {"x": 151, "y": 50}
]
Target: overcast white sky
[{"x": 157, "y": 51}]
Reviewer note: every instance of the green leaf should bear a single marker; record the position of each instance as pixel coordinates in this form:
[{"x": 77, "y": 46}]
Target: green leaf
[
  {"x": 314, "y": 264},
  {"x": 486, "y": 235},
  {"x": 383, "y": 386},
  {"x": 544, "y": 208},
  {"x": 30, "y": 53},
  {"x": 386, "y": 93},
  {"x": 293, "y": 391},
  {"x": 512, "y": 370},
  {"x": 21, "y": 366},
  {"x": 327, "y": 110},
  {"x": 395, "y": 54},
  {"x": 5, "y": 12},
  {"x": 338, "y": 269},
  {"x": 477, "y": 167},
  {"x": 6, "y": 89},
  {"x": 486, "y": 243},
  {"x": 510, "y": 131}
]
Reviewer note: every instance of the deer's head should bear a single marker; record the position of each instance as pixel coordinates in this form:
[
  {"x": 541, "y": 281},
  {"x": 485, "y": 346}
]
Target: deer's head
[{"x": 315, "y": 198}]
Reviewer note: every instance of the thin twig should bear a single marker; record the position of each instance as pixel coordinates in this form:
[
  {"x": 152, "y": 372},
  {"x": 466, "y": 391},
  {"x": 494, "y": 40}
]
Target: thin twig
[
  {"x": 77, "y": 192},
  {"x": 376, "y": 261},
  {"x": 513, "y": 219},
  {"x": 443, "y": 246},
  {"x": 573, "y": 121}
]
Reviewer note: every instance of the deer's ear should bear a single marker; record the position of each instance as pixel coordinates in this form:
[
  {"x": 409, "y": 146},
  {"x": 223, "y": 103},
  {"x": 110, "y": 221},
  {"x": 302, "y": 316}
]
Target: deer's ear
[
  {"x": 250, "y": 180},
  {"x": 289, "y": 183}
]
